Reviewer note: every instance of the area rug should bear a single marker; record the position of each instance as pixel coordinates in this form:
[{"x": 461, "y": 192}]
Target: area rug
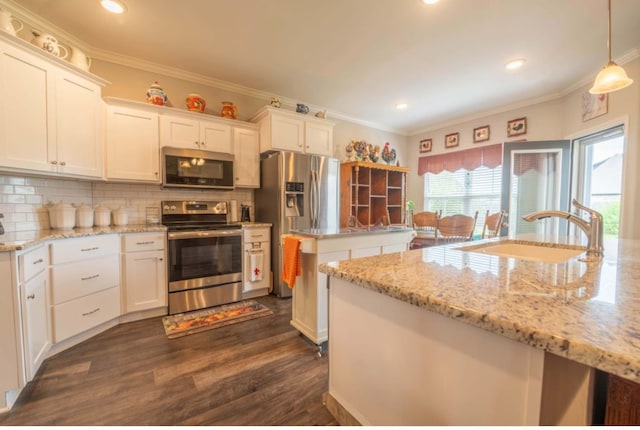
[{"x": 193, "y": 322}]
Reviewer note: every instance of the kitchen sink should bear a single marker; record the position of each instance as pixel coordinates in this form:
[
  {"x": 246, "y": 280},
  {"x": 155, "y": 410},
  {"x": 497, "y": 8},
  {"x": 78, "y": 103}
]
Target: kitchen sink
[{"x": 548, "y": 253}]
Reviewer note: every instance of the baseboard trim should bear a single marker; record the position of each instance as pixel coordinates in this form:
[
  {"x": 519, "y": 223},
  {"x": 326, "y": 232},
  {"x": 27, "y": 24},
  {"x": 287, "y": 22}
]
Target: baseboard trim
[{"x": 341, "y": 415}]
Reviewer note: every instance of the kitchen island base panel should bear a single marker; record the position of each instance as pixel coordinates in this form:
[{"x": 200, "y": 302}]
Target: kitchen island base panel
[{"x": 391, "y": 363}]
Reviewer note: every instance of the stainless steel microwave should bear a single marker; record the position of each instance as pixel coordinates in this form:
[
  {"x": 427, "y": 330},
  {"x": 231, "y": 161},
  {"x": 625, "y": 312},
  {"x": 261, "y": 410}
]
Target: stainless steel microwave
[{"x": 192, "y": 168}]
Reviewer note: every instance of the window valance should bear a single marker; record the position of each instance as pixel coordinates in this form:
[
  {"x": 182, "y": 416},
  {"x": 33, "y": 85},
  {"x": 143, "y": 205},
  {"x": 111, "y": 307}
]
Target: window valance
[{"x": 468, "y": 159}]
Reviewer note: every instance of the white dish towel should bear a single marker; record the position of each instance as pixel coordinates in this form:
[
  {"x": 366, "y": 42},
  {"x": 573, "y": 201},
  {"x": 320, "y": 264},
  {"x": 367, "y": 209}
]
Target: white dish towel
[{"x": 256, "y": 267}]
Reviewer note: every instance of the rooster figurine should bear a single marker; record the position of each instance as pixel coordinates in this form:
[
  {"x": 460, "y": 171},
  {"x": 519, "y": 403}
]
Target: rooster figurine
[{"x": 388, "y": 154}]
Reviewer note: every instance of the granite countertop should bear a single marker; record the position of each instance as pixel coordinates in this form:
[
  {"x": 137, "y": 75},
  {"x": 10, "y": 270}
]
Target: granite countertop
[
  {"x": 586, "y": 311},
  {"x": 25, "y": 239},
  {"x": 349, "y": 231}
]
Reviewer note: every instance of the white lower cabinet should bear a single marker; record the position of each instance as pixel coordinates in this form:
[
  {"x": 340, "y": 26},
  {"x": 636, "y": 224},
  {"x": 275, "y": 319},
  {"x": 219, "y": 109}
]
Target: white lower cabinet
[
  {"x": 85, "y": 288},
  {"x": 83, "y": 313},
  {"x": 35, "y": 327},
  {"x": 33, "y": 285},
  {"x": 144, "y": 271}
]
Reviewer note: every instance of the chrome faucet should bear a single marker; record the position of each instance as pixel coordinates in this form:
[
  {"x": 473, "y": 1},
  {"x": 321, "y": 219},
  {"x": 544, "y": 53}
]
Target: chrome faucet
[{"x": 592, "y": 228}]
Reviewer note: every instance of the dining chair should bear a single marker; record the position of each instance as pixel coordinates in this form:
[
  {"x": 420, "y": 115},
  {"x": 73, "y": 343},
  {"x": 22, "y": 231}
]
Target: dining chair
[
  {"x": 426, "y": 226},
  {"x": 456, "y": 228},
  {"x": 492, "y": 224}
]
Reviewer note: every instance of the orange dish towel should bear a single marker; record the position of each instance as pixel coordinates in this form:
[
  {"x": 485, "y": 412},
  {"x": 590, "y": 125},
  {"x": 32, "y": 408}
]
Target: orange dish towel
[{"x": 291, "y": 266}]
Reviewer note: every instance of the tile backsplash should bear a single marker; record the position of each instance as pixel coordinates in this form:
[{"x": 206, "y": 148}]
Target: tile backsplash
[{"x": 24, "y": 199}]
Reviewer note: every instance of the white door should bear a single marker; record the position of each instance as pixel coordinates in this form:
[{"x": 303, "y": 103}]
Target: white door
[
  {"x": 26, "y": 110},
  {"x": 535, "y": 177},
  {"x": 145, "y": 280},
  {"x": 133, "y": 148},
  {"x": 35, "y": 322},
  {"x": 215, "y": 137},
  {"x": 179, "y": 132},
  {"x": 318, "y": 139},
  {"x": 246, "y": 148},
  {"x": 78, "y": 139},
  {"x": 287, "y": 133}
]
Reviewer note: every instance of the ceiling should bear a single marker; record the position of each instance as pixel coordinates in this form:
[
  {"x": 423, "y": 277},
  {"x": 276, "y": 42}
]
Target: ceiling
[{"x": 359, "y": 58}]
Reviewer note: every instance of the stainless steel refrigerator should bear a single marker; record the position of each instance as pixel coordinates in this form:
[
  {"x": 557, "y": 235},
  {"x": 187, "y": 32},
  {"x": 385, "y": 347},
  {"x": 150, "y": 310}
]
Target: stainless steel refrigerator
[{"x": 297, "y": 192}]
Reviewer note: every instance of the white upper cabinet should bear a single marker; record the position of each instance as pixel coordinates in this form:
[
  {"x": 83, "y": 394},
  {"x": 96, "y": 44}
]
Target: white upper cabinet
[
  {"x": 290, "y": 131},
  {"x": 50, "y": 114},
  {"x": 78, "y": 142},
  {"x": 132, "y": 140},
  {"x": 205, "y": 134},
  {"x": 246, "y": 148}
]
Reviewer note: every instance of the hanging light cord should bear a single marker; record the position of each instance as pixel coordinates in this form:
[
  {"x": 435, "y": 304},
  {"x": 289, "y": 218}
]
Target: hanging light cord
[{"x": 609, "y": 32}]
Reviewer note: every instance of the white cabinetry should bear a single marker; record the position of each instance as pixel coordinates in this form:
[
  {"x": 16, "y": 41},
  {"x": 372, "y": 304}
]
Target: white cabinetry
[
  {"x": 9, "y": 331},
  {"x": 291, "y": 131},
  {"x": 205, "y": 134},
  {"x": 246, "y": 148},
  {"x": 133, "y": 149},
  {"x": 34, "y": 282},
  {"x": 144, "y": 271},
  {"x": 309, "y": 301},
  {"x": 50, "y": 115},
  {"x": 85, "y": 289},
  {"x": 256, "y": 279}
]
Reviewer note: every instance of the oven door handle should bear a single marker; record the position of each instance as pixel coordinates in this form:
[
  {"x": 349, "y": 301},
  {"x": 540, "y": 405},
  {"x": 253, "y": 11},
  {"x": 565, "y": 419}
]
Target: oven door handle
[{"x": 177, "y": 235}]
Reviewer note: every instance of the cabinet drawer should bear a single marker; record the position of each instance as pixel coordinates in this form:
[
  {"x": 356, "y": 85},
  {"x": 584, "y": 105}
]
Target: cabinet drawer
[
  {"x": 78, "y": 315},
  {"x": 83, "y": 248},
  {"x": 143, "y": 242},
  {"x": 73, "y": 280},
  {"x": 33, "y": 262},
  {"x": 256, "y": 235}
]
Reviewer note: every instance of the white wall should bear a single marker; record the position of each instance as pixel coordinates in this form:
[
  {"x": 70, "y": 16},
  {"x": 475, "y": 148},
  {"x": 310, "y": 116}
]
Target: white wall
[{"x": 553, "y": 120}]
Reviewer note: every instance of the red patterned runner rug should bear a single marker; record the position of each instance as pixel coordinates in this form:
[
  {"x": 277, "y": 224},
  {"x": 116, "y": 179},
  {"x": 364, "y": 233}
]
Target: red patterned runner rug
[{"x": 193, "y": 322}]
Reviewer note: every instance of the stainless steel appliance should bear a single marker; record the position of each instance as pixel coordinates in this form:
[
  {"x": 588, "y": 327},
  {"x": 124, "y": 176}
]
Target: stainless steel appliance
[
  {"x": 192, "y": 168},
  {"x": 297, "y": 192},
  {"x": 205, "y": 255}
]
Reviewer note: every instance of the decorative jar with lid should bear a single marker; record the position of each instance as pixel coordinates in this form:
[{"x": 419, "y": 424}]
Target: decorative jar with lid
[
  {"x": 195, "y": 102},
  {"x": 156, "y": 95},
  {"x": 229, "y": 110}
]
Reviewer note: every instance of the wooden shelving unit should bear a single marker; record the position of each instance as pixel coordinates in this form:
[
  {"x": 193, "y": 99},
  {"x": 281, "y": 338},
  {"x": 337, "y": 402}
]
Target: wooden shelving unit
[{"x": 370, "y": 191}]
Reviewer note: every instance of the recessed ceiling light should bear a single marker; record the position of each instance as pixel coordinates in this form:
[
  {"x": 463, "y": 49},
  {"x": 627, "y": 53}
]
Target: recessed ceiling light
[
  {"x": 113, "y": 6},
  {"x": 401, "y": 106},
  {"x": 430, "y": 1},
  {"x": 516, "y": 63}
]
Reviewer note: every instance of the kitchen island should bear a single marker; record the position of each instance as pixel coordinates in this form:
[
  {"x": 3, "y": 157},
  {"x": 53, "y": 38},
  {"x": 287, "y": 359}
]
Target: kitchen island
[
  {"x": 309, "y": 299},
  {"x": 447, "y": 337}
]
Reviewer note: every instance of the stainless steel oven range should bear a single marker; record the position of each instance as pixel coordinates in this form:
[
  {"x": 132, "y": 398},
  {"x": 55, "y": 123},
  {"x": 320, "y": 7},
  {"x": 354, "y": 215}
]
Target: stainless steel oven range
[{"x": 204, "y": 255}]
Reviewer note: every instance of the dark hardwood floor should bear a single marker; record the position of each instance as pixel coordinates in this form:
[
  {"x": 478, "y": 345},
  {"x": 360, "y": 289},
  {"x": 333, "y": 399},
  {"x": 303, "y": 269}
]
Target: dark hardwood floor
[{"x": 257, "y": 372}]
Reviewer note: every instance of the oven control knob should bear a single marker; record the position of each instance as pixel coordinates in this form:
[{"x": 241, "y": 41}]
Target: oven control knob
[
  {"x": 173, "y": 207},
  {"x": 166, "y": 207}
]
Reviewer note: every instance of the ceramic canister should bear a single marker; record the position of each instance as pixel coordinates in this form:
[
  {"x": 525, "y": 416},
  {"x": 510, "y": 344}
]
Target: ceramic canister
[
  {"x": 49, "y": 43},
  {"x": 156, "y": 95},
  {"x": 195, "y": 103},
  {"x": 120, "y": 217},
  {"x": 102, "y": 216},
  {"x": 84, "y": 216}
]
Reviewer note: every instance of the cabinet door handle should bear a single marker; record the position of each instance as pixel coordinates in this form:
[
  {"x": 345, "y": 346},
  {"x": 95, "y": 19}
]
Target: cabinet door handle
[
  {"x": 54, "y": 162},
  {"x": 160, "y": 259},
  {"x": 97, "y": 275},
  {"x": 63, "y": 163},
  {"x": 31, "y": 296},
  {"x": 203, "y": 144},
  {"x": 155, "y": 173},
  {"x": 197, "y": 144},
  {"x": 148, "y": 242},
  {"x": 91, "y": 312},
  {"x": 38, "y": 261},
  {"x": 90, "y": 249}
]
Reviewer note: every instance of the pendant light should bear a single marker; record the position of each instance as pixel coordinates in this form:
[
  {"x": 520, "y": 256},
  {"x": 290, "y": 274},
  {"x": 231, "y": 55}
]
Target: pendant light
[{"x": 612, "y": 77}]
